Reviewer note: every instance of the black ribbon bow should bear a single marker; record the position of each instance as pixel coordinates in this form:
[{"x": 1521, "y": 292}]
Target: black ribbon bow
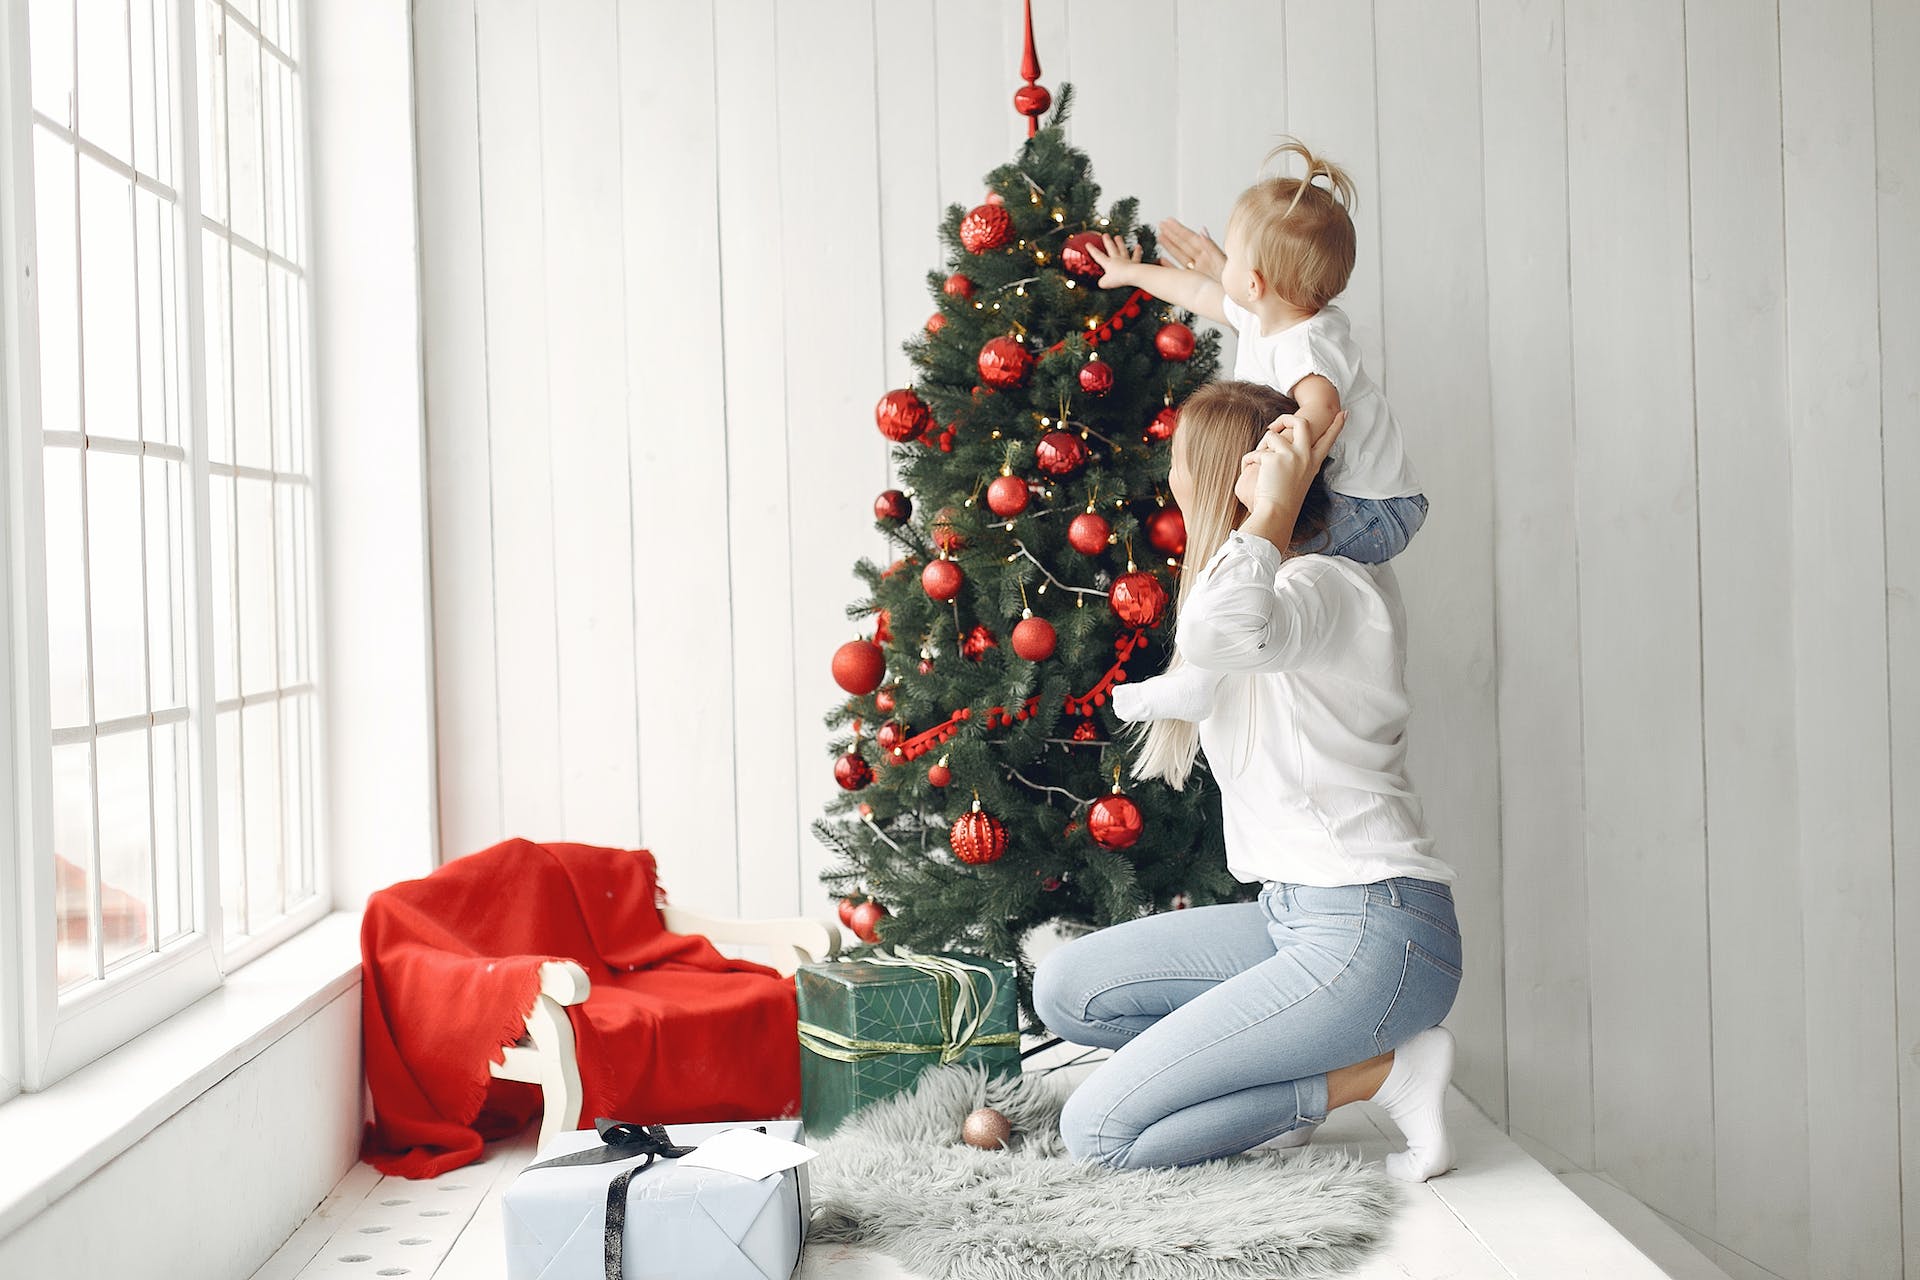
[{"x": 622, "y": 1141}]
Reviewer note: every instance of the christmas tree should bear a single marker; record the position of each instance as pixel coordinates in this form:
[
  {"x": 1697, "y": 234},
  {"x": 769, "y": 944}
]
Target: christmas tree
[{"x": 1038, "y": 550}]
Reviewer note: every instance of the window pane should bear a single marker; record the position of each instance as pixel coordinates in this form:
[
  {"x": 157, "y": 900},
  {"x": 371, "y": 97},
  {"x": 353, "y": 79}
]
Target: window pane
[
  {"x": 254, "y": 534},
  {"x": 233, "y": 865},
  {"x": 57, "y": 231},
  {"x": 260, "y": 734},
  {"x": 173, "y": 909},
  {"x": 218, "y": 348},
  {"x": 290, "y": 612},
  {"x": 72, "y": 864},
  {"x": 66, "y": 592},
  {"x": 213, "y": 112},
  {"x": 105, "y": 106},
  {"x": 115, "y": 585},
  {"x": 166, "y": 583},
  {"x": 243, "y": 134},
  {"x": 153, "y": 226},
  {"x": 152, "y": 90},
  {"x": 125, "y": 845},
  {"x": 293, "y": 799},
  {"x": 50, "y": 23},
  {"x": 252, "y": 426},
  {"x": 273, "y": 81},
  {"x": 281, "y": 301},
  {"x": 226, "y": 672},
  {"x": 107, "y": 314}
]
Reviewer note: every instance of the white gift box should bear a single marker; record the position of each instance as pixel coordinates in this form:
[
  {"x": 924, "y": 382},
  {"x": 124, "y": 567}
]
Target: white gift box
[{"x": 683, "y": 1222}]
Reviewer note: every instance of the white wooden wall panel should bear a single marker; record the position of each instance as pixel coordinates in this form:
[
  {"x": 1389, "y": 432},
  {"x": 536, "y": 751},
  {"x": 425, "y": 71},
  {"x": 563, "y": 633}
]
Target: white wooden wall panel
[
  {"x": 459, "y": 476},
  {"x": 1640, "y": 600},
  {"x": 1840, "y": 633},
  {"x": 1537, "y": 577},
  {"x": 835, "y": 359},
  {"x": 678, "y": 429},
  {"x": 765, "y": 712},
  {"x": 519, "y": 422},
  {"x": 1746, "y": 656},
  {"x": 1627, "y": 275},
  {"x": 583, "y": 210},
  {"x": 1896, "y": 52}
]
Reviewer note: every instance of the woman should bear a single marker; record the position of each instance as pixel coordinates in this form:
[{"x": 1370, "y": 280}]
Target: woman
[{"x": 1244, "y": 1024}]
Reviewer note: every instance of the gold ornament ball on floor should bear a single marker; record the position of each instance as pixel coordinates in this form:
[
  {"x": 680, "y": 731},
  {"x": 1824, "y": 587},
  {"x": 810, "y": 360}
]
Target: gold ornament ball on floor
[{"x": 987, "y": 1129}]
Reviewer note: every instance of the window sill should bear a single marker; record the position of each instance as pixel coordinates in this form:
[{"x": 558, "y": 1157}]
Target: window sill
[{"x": 57, "y": 1138}]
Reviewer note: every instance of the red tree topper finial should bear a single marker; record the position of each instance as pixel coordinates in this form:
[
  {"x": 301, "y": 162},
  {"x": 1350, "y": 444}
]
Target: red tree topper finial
[{"x": 1031, "y": 100}]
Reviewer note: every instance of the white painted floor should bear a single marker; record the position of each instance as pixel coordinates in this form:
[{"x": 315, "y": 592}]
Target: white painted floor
[{"x": 1501, "y": 1215}]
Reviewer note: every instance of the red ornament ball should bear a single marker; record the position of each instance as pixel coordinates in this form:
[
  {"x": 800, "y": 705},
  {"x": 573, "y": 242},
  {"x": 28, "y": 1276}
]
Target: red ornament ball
[
  {"x": 957, "y": 286},
  {"x": 1085, "y": 731},
  {"x": 846, "y": 911},
  {"x": 1060, "y": 453},
  {"x": 988, "y": 227},
  {"x": 977, "y": 642},
  {"x": 1075, "y": 258},
  {"x": 985, "y": 1127},
  {"x": 892, "y": 505},
  {"x": 1032, "y": 99},
  {"x": 1114, "y": 822},
  {"x": 926, "y": 666},
  {"x": 901, "y": 415},
  {"x": 859, "y": 666},
  {"x": 1167, "y": 531},
  {"x": 978, "y": 837},
  {"x": 883, "y": 702},
  {"x": 1050, "y": 883},
  {"x": 936, "y": 322},
  {"x": 890, "y": 736},
  {"x": 1007, "y": 496},
  {"x": 1163, "y": 424},
  {"x": 1088, "y": 533},
  {"x": 1034, "y": 639},
  {"x": 1004, "y": 362},
  {"x": 939, "y": 775},
  {"x": 851, "y": 772},
  {"x": 1096, "y": 377},
  {"x": 866, "y": 921},
  {"x": 1138, "y": 599},
  {"x": 1174, "y": 341},
  {"x": 941, "y": 579},
  {"x": 945, "y": 536}
]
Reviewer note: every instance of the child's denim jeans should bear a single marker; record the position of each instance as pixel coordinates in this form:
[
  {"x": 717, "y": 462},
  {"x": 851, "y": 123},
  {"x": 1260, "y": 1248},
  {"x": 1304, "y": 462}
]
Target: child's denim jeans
[
  {"x": 1373, "y": 530},
  {"x": 1226, "y": 1019}
]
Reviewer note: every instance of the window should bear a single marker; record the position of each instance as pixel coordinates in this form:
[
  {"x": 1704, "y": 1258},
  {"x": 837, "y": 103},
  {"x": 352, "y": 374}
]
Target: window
[{"x": 164, "y": 579}]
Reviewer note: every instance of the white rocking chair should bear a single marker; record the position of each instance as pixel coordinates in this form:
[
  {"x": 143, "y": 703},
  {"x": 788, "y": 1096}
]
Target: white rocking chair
[{"x": 545, "y": 1055}]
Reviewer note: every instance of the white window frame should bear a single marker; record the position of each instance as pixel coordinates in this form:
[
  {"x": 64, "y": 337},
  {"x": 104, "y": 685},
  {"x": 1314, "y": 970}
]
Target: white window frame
[{"x": 44, "y": 1035}]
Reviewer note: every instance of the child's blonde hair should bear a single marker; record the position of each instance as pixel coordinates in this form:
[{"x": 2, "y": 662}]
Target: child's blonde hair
[{"x": 1298, "y": 235}]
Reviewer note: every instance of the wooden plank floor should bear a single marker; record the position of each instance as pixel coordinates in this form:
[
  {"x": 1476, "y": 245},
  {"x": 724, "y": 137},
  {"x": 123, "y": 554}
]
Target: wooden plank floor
[{"x": 1501, "y": 1215}]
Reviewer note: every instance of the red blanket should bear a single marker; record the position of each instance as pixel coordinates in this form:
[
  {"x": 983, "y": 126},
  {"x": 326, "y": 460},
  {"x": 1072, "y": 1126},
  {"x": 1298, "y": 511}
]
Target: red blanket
[{"x": 672, "y": 1030}]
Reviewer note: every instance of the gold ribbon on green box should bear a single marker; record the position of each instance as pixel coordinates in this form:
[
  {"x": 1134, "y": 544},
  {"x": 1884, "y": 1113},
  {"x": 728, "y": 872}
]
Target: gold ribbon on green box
[{"x": 962, "y": 1013}]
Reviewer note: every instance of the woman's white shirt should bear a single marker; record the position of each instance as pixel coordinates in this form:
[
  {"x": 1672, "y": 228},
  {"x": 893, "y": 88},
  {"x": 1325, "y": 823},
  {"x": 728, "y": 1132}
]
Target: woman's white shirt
[{"x": 1305, "y": 722}]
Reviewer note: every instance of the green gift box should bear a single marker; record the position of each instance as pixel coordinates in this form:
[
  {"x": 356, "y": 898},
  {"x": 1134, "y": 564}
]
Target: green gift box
[{"x": 869, "y": 1027}]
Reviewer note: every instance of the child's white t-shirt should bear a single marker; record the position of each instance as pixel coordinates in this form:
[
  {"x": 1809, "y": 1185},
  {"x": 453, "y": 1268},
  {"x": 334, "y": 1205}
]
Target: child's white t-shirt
[{"x": 1369, "y": 460}]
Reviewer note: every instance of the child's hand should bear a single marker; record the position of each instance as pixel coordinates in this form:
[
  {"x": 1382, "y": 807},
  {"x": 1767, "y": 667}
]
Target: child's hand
[
  {"x": 1275, "y": 474},
  {"x": 1192, "y": 249},
  {"x": 1116, "y": 260}
]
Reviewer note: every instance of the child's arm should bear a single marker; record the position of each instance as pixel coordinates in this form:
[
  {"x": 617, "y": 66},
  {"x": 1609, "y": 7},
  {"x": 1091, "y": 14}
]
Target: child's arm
[
  {"x": 1188, "y": 289},
  {"x": 1318, "y": 399}
]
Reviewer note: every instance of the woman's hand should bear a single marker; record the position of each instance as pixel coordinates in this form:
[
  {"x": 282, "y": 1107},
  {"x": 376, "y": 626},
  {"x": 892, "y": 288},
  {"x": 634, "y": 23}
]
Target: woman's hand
[
  {"x": 1192, "y": 249},
  {"x": 1117, "y": 260},
  {"x": 1279, "y": 469}
]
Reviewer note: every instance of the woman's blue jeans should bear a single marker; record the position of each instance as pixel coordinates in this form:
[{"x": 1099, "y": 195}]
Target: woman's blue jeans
[{"x": 1226, "y": 1019}]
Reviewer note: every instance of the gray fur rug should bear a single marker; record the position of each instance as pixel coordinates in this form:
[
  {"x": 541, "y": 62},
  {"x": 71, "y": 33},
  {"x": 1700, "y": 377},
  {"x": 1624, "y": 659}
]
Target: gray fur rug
[{"x": 897, "y": 1178}]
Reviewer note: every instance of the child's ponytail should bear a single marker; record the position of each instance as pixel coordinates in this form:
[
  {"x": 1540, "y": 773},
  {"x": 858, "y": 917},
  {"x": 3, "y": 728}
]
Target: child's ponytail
[{"x": 1339, "y": 185}]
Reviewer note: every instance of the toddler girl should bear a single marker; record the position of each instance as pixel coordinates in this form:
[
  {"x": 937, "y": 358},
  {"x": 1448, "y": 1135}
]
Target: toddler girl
[{"x": 1289, "y": 253}]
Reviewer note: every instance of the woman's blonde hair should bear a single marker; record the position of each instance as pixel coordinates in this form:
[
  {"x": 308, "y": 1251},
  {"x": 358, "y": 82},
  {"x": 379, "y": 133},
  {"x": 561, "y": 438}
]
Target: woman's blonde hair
[
  {"x": 1219, "y": 424},
  {"x": 1299, "y": 236}
]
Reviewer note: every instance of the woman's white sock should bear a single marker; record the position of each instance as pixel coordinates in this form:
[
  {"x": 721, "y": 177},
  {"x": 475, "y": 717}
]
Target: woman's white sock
[{"x": 1415, "y": 1095}]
